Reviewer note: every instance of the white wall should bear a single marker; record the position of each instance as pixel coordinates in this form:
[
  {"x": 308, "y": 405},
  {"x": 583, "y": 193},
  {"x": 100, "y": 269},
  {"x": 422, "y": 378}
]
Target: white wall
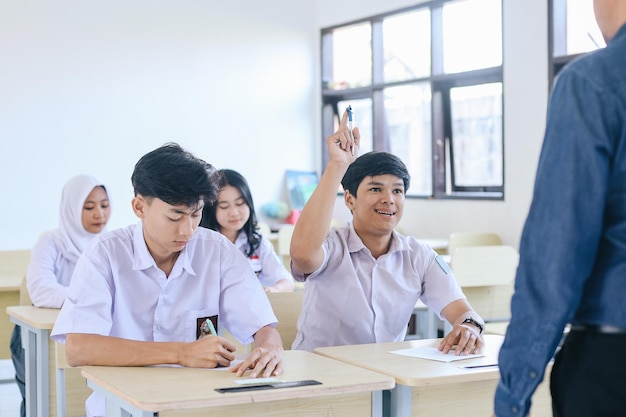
[
  {"x": 525, "y": 101},
  {"x": 90, "y": 86}
]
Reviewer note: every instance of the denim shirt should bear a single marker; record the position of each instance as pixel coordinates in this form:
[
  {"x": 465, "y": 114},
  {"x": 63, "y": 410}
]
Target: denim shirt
[{"x": 573, "y": 248}]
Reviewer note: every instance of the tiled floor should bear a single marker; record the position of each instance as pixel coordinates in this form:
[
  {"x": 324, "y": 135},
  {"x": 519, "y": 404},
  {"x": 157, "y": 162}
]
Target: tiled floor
[{"x": 9, "y": 393}]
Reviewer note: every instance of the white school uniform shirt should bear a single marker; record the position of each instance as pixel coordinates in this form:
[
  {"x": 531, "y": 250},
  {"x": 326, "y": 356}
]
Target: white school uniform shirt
[
  {"x": 266, "y": 264},
  {"x": 353, "y": 298},
  {"x": 118, "y": 290},
  {"x": 49, "y": 272}
]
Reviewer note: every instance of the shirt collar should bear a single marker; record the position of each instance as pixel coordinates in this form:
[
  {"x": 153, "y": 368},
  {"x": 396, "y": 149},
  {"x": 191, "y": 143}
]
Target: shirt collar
[
  {"x": 355, "y": 244},
  {"x": 142, "y": 258}
]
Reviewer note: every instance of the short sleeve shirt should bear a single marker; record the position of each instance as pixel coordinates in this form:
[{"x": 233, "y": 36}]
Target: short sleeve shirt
[
  {"x": 355, "y": 298},
  {"x": 118, "y": 290}
]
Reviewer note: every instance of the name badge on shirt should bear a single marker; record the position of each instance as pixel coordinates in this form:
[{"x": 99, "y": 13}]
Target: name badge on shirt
[
  {"x": 201, "y": 329},
  {"x": 255, "y": 263}
]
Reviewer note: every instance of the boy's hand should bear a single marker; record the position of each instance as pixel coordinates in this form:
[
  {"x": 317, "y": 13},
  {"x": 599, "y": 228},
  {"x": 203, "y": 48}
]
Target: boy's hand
[{"x": 339, "y": 143}]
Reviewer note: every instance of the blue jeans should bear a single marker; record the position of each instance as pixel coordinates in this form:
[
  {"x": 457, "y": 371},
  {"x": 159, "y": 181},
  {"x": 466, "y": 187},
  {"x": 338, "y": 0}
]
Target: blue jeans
[{"x": 17, "y": 356}]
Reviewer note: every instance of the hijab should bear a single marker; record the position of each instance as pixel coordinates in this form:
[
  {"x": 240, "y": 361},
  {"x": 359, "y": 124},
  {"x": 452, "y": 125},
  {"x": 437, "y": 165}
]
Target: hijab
[{"x": 71, "y": 234}]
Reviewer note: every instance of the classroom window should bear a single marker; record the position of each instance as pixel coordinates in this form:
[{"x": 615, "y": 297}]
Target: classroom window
[
  {"x": 425, "y": 83},
  {"x": 573, "y": 32}
]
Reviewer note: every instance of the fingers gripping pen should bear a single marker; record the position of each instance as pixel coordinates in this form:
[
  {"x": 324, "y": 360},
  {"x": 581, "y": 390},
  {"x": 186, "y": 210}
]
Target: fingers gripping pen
[{"x": 349, "y": 110}]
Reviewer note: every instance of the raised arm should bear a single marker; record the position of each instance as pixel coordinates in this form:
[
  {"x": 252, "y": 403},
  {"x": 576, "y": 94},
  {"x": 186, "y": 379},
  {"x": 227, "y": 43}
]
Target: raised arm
[{"x": 314, "y": 221}]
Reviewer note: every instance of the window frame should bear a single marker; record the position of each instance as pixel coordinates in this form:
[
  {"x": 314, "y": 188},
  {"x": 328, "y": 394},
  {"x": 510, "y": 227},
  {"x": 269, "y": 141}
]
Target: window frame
[
  {"x": 557, "y": 35},
  {"x": 442, "y": 175}
]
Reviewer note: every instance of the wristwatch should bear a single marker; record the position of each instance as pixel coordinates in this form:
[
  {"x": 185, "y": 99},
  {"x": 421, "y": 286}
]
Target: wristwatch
[{"x": 471, "y": 320}]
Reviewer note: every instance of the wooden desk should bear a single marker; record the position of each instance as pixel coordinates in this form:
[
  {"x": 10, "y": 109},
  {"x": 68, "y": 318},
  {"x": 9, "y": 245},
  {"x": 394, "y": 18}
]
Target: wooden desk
[
  {"x": 13, "y": 266},
  {"x": 9, "y": 296},
  {"x": 432, "y": 388},
  {"x": 346, "y": 390},
  {"x": 47, "y": 383},
  {"x": 36, "y": 325}
]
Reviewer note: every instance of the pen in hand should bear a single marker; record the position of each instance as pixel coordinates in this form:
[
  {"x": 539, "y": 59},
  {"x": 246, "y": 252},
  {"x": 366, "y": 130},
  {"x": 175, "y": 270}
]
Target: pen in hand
[{"x": 349, "y": 110}]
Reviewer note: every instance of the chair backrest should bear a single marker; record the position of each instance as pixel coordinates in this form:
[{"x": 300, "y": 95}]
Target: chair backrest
[
  {"x": 264, "y": 229},
  {"x": 284, "y": 239},
  {"x": 460, "y": 239},
  {"x": 282, "y": 245},
  {"x": 482, "y": 266},
  {"x": 487, "y": 274},
  {"x": 287, "y": 307},
  {"x": 24, "y": 296}
]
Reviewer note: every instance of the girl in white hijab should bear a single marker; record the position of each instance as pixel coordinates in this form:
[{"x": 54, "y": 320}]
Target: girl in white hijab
[{"x": 84, "y": 213}]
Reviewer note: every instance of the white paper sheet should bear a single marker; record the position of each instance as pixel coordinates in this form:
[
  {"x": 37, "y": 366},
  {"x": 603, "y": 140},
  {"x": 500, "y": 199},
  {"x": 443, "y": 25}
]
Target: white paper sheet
[{"x": 434, "y": 354}]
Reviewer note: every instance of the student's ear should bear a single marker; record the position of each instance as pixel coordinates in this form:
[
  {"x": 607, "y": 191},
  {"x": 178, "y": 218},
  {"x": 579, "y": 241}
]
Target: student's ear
[
  {"x": 139, "y": 205},
  {"x": 348, "y": 199}
]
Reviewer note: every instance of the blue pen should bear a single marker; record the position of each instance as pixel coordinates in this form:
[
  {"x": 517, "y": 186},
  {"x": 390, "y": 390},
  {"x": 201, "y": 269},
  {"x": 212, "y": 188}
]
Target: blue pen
[{"x": 349, "y": 110}]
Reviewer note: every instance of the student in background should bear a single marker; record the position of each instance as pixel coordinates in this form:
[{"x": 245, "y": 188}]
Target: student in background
[
  {"x": 233, "y": 215},
  {"x": 573, "y": 248},
  {"x": 364, "y": 279},
  {"x": 147, "y": 294},
  {"x": 84, "y": 212}
]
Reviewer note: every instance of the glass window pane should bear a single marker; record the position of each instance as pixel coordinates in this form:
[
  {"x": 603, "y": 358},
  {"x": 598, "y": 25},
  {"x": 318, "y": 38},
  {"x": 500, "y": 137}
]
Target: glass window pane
[
  {"x": 477, "y": 135},
  {"x": 352, "y": 57},
  {"x": 406, "y": 45},
  {"x": 583, "y": 34},
  {"x": 408, "y": 123},
  {"x": 472, "y": 35},
  {"x": 361, "y": 118}
]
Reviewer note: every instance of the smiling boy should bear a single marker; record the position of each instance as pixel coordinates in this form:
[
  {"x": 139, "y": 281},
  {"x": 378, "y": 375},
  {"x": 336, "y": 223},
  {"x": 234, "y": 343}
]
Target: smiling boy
[
  {"x": 363, "y": 280},
  {"x": 140, "y": 295}
]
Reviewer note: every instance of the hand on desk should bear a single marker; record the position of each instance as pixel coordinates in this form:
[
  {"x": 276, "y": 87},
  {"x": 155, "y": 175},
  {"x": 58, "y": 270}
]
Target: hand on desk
[
  {"x": 266, "y": 359},
  {"x": 464, "y": 339}
]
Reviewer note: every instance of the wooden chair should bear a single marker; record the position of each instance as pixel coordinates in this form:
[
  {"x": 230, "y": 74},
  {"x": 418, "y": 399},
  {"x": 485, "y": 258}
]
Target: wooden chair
[
  {"x": 284, "y": 241},
  {"x": 264, "y": 229},
  {"x": 460, "y": 239},
  {"x": 24, "y": 296},
  {"x": 287, "y": 307},
  {"x": 486, "y": 274}
]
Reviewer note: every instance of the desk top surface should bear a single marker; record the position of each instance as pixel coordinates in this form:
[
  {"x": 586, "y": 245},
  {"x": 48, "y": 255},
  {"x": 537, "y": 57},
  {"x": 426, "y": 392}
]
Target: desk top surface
[
  {"x": 416, "y": 371},
  {"x": 165, "y": 388},
  {"x": 38, "y": 318}
]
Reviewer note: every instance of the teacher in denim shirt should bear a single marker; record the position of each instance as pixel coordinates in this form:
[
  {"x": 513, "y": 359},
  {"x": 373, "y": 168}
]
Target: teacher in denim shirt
[{"x": 573, "y": 248}]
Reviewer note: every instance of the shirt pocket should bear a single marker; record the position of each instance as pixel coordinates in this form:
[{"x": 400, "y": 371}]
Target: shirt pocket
[{"x": 193, "y": 320}]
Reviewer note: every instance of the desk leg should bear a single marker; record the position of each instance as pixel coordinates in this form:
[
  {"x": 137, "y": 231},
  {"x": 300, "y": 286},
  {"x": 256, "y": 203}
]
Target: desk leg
[
  {"x": 401, "y": 401},
  {"x": 29, "y": 343},
  {"x": 116, "y": 407},
  {"x": 43, "y": 410},
  {"x": 377, "y": 404},
  {"x": 60, "y": 377},
  {"x": 35, "y": 343}
]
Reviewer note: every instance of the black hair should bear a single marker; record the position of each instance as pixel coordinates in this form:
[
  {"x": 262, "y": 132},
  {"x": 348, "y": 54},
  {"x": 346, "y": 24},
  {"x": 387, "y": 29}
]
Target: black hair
[
  {"x": 175, "y": 176},
  {"x": 371, "y": 164},
  {"x": 209, "y": 218}
]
